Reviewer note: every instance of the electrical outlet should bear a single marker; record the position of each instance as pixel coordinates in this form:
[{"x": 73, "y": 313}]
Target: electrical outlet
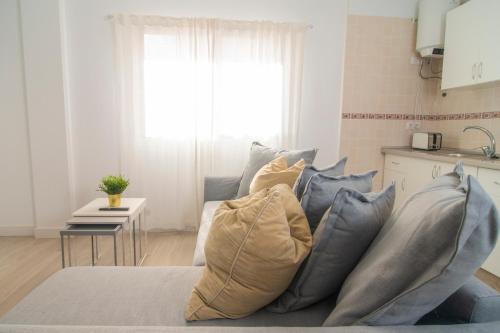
[{"x": 412, "y": 125}]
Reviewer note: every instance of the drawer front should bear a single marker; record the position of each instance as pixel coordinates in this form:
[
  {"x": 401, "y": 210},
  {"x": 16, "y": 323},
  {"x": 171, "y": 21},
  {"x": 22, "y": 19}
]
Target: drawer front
[
  {"x": 490, "y": 180},
  {"x": 398, "y": 163}
]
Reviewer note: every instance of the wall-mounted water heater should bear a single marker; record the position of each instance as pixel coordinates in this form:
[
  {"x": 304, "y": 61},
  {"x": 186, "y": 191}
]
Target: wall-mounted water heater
[{"x": 431, "y": 26}]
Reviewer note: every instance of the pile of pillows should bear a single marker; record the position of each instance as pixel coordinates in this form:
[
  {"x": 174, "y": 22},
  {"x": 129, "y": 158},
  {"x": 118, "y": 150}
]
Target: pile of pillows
[{"x": 297, "y": 235}]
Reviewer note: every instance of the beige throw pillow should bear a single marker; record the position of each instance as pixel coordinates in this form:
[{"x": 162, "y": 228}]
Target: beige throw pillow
[
  {"x": 276, "y": 172},
  {"x": 253, "y": 250}
]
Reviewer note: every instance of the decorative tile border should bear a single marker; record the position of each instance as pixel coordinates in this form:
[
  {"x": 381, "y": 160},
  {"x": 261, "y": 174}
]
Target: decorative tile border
[{"x": 399, "y": 116}]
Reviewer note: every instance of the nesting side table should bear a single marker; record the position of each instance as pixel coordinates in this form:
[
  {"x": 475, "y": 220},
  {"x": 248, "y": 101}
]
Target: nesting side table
[
  {"x": 134, "y": 223},
  {"x": 92, "y": 230}
]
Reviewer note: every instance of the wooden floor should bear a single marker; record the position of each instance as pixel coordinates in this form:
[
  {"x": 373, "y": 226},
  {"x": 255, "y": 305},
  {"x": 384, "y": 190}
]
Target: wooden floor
[{"x": 26, "y": 262}]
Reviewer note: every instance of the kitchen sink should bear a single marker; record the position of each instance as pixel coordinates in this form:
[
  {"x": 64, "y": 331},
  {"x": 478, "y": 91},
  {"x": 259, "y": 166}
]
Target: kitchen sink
[{"x": 457, "y": 153}]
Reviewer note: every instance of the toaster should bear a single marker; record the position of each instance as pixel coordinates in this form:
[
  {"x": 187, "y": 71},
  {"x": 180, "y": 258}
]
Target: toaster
[{"x": 427, "y": 141}]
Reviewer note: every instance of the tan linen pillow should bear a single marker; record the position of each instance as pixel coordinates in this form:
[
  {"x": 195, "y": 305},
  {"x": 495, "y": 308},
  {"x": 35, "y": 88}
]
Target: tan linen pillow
[
  {"x": 276, "y": 172},
  {"x": 253, "y": 250}
]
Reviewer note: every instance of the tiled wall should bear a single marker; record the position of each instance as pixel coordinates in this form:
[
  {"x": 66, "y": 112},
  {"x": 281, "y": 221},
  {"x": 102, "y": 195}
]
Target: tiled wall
[
  {"x": 466, "y": 107},
  {"x": 381, "y": 88}
]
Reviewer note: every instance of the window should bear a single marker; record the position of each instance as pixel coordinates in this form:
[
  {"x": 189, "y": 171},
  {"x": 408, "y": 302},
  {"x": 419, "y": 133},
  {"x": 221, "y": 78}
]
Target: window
[{"x": 227, "y": 97}]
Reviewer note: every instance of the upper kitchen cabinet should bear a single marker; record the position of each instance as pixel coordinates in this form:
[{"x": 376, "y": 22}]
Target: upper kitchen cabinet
[{"x": 472, "y": 44}]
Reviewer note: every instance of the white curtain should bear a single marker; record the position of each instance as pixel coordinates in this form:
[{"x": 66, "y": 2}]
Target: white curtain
[{"x": 193, "y": 94}]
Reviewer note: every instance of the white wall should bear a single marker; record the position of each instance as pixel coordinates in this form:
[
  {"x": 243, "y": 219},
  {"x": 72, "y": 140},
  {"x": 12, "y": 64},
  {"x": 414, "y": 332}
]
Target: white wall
[
  {"x": 90, "y": 72},
  {"x": 58, "y": 129},
  {"x": 16, "y": 202},
  {"x": 394, "y": 8},
  {"x": 45, "y": 97}
]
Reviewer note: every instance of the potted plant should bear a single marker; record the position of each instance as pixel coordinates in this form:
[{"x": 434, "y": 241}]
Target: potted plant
[{"x": 113, "y": 186}]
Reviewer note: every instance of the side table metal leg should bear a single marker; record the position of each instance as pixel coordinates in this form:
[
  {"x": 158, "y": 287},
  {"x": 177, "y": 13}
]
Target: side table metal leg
[
  {"x": 97, "y": 247},
  {"x": 114, "y": 249},
  {"x": 123, "y": 248},
  {"x": 69, "y": 250},
  {"x": 62, "y": 250},
  {"x": 133, "y": 237},
  {"x": 92, "y": 248},
  {"x": 140, "y": 236},
  {"x": 145, "y": 226}
]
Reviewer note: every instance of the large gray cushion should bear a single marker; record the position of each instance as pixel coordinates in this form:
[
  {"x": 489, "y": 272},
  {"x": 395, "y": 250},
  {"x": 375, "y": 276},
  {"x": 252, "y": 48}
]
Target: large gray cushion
[
  {"x": 343, "y": 235},
  {"x": 425, "y": 252},
  {"x": 134, "y": 296},
  {"x": 474, "y": 302},
  {"x": 207, "y": 217},
  {"x": 261, "y": 155},
  {"x": 309, "y": 171},
  {"x": 320, "y": 192}
]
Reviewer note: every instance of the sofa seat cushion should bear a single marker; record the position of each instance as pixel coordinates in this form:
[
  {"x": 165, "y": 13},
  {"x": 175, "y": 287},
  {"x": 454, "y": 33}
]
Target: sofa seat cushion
[
  {"x": 207, "y": 216},
  {"x": 133, "y": 296}
]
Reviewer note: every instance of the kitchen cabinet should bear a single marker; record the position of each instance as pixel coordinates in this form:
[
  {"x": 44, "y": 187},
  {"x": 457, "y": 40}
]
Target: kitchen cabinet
[
  {"x": 412, "y": 174},
  {"x": 490, "y": 180},
  {"x": 472, "y": 44},
  {"x": 399, "y": 181}
]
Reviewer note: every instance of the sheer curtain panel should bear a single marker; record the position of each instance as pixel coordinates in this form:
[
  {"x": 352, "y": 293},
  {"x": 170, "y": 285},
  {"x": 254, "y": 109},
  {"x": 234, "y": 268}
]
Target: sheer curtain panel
[{"x": 192, "y": 95}]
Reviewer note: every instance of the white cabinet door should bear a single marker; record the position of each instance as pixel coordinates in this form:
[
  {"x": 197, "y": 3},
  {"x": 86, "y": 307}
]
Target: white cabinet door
[
  {"x": 444, "y": 168},
  {"x": 400, "y": 182},
  {"x": 490, "y": 180},
  {"x": 461, "y": 47},
  {"x": 489, "y": 41}
]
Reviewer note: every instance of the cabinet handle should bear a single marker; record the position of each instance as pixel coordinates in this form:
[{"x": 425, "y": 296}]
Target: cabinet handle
[
  {"x": 480, "y": 70},
  {"x": 434, "y": 172},
  {"x": 496, "y": 183},
  {"x": 439, "y": 171},
  {"x": 403, "y": 184},
  {"x": 396, "y": 163},
  {"x": 393, "y": 182}
]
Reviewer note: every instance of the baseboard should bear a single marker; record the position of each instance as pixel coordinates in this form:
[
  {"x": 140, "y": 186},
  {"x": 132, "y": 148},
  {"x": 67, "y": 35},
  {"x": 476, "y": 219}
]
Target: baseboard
[
  {"x": 47, "y": 232},
  {"x": 159, "y": 230},
  {"x": 13, "y": 231}
]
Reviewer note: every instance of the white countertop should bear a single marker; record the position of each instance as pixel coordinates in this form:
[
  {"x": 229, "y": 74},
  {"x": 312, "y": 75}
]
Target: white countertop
[{"x": 469, "y": 158}]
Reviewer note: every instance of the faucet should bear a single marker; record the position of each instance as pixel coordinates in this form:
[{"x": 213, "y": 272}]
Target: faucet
[{"x": 489, "y": 151}]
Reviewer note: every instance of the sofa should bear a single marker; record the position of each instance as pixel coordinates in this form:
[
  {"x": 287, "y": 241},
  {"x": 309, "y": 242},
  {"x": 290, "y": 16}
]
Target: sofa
[{"x": 153, "y": 299}]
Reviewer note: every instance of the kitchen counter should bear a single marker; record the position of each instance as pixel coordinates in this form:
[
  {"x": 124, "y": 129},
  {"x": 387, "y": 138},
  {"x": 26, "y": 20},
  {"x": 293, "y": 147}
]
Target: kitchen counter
[{"x": 448, "y": 155}]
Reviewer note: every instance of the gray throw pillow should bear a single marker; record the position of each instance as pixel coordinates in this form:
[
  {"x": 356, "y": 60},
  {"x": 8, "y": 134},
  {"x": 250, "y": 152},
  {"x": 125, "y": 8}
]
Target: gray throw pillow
[
  {"x": 261, "y": 155},
  {"x": 320, "y": 192},
  {"x": 309, "y": 171},
  {"x": 342, "y": 237},
  {"x": 426, "y": 251}
]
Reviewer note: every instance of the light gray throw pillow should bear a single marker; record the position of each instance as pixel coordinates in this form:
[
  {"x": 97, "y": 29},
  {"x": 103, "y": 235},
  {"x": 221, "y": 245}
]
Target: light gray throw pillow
[
  {"x": 320, "y": 192},
  {"x": 342, "y": 237},
  {"x": 261, "y": 155},
  {"x": 425, "y": 252},
  {"x": 309, "y": 171}
]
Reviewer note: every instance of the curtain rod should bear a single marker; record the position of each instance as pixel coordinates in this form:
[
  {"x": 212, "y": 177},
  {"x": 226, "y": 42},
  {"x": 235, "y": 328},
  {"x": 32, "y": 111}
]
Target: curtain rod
[{"x": 110, "y": 17}]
